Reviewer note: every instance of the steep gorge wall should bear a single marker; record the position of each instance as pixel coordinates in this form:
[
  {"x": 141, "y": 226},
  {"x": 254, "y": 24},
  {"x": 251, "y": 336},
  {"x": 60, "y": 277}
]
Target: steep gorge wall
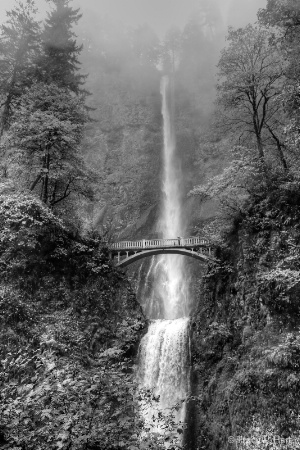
[
  {"x": 246, "y": 343},
  {"x": 124, "y": 149}
]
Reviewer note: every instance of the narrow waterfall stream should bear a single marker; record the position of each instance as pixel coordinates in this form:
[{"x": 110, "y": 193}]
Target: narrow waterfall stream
[{"x": 164, "y": 350}]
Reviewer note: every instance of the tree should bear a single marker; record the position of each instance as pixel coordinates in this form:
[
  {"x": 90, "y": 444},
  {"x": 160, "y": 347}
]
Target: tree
[
  {"x": 59, "y": 63},
  {"x": 284, "y": 15},
  {"x": 240, "y": 184},
  {"x": 252, "y": 74},
  {"x": 47, "y": 128},
  {"x": 19, "y": 46}
]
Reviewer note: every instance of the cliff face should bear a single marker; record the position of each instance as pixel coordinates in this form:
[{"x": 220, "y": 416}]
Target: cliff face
[
  {"x": 124, "y": 149},
  {"x": 246, "y": 344}
]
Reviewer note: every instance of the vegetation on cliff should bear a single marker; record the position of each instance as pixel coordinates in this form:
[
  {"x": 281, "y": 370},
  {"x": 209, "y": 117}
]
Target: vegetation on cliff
[
  {"x": 69, "y": 320},
  {"x": 69, "y": 323},
  {"x": 246, "y": 335}
]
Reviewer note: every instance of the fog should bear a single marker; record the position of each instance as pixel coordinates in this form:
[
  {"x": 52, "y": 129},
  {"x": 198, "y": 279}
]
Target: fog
[
  {"x": 159, "y": 14},
  {"x": 127, "y": 43}
]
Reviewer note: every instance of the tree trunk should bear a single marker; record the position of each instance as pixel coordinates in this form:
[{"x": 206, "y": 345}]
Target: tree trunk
[
  {"x": 279, "y": 148},
  {"x": 257, "y": 131},
  {"x": 6, "y": 109},
  {"x": 5, "y": 114},
  {"x": 281, "y": 156},
  {"x": 33, "y": 185},
  {"x": 261, "y": 154},
  {"x": 260, "y": 148},
  {"x": 46, "y": 175},
  {"x": 53, "y": 196}
]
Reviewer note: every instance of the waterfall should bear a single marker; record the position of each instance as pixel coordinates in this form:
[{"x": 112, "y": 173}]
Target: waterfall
[{"x": 164, "y": 351}]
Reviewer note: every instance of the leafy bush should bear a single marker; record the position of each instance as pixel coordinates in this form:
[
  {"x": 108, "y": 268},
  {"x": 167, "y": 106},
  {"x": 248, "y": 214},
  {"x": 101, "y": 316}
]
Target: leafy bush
[{"x": 69, "y": 322}]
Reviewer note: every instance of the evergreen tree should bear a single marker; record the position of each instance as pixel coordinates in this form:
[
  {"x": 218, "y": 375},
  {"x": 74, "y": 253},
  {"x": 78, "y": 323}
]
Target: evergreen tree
[
  {"x": 59, "y": 63},
  {"x": 19, "y": 45},
  {"x": 47, "y": 129}
]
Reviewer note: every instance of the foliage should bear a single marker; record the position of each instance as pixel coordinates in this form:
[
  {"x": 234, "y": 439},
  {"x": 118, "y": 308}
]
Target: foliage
[
  {"x": 283, "y": 13},
  {"x": 251, "y": 71},
  {"x": 246, "y": 345},
  {"x": 46, "y": 131},
  {"x": 292, "y": 135},
  {"x": 19, "y": 47},
  {"x": 59, "y": 62},
  {"x": 49, "y": 398},
  {"x": 69, "y": 323},
  {"x": 235, "y": 183},
  {"x": 234, "y": 190},
  {"x": 43, "y": 103},
  {"x": 161, "y": 427}
]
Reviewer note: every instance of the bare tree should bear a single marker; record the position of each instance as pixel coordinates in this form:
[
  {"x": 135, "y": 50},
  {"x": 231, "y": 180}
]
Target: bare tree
[{"x": 251, "y": 79}]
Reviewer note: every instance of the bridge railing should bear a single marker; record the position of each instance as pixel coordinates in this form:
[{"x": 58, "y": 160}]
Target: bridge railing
[{"x": 159, "y": 243}]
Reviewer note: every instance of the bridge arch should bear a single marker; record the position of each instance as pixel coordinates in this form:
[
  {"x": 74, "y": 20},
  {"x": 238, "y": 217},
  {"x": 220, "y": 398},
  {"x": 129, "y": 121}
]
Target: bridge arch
[
  {"x": 155, "y": 251},
  {"x": 127, "y": 252}
]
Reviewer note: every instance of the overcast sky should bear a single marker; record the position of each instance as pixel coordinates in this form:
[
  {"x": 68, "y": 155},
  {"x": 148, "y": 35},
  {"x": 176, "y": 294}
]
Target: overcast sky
[{"x": 160, "y": 14}]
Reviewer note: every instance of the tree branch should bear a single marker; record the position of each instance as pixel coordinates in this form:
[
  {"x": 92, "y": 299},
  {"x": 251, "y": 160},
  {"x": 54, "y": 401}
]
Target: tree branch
[{"x": 65, "y": 195}]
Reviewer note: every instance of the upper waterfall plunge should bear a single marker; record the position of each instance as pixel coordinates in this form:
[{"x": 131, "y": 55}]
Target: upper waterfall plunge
[
  {"x": 171, "y": 280},
  {"x": 170, "y": 221}
]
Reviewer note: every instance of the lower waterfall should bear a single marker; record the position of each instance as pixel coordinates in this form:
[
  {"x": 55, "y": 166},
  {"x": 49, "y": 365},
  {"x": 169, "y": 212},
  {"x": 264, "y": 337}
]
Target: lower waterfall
[
  {"x": 163, "y": 372},
  {"x": 164, "y": 354},
  {"x": 164, "y": 369},
  {"x": 164, "y": 360}
]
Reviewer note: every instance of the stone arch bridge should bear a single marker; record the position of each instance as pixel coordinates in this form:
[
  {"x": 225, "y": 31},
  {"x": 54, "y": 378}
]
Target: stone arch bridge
[{"x": 125, "y": 253}]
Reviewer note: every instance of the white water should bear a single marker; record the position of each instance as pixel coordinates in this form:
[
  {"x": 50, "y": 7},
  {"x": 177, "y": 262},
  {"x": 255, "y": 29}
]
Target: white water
[
  {"x": 164, "y": 360},
  {"x": 172, "y": 284},
  {"x": 164, "y": 350}
]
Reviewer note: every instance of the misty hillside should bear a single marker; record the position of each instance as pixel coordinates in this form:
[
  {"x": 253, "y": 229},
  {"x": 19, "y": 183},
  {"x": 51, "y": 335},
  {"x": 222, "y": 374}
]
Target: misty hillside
[{"x": 85, "y": 123}]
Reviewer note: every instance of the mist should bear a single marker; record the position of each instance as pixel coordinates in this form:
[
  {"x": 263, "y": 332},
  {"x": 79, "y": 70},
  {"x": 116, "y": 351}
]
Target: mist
[
  {"x": 159, "y": 14},
  {"x": 126, "y": 46}
]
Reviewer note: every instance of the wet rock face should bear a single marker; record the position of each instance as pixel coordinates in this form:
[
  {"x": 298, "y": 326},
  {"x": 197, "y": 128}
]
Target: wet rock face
[
  {"x": 246, "y": 333},
  {"x": 124, "y": 149}
]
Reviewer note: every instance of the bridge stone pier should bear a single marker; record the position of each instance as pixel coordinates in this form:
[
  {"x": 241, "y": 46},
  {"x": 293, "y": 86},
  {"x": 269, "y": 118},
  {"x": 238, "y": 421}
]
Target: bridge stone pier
[{"x": 125, "y": 253}]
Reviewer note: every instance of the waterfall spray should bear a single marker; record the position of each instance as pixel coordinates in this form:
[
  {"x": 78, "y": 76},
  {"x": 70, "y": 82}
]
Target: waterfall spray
[
  {"x": 164, "y": 350},
  {"x": 172, "y": 285}
]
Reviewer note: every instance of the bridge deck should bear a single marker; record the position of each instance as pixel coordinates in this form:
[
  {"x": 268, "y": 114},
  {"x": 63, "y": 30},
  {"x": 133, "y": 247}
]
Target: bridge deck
[{"x": 145, "y": 244}]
